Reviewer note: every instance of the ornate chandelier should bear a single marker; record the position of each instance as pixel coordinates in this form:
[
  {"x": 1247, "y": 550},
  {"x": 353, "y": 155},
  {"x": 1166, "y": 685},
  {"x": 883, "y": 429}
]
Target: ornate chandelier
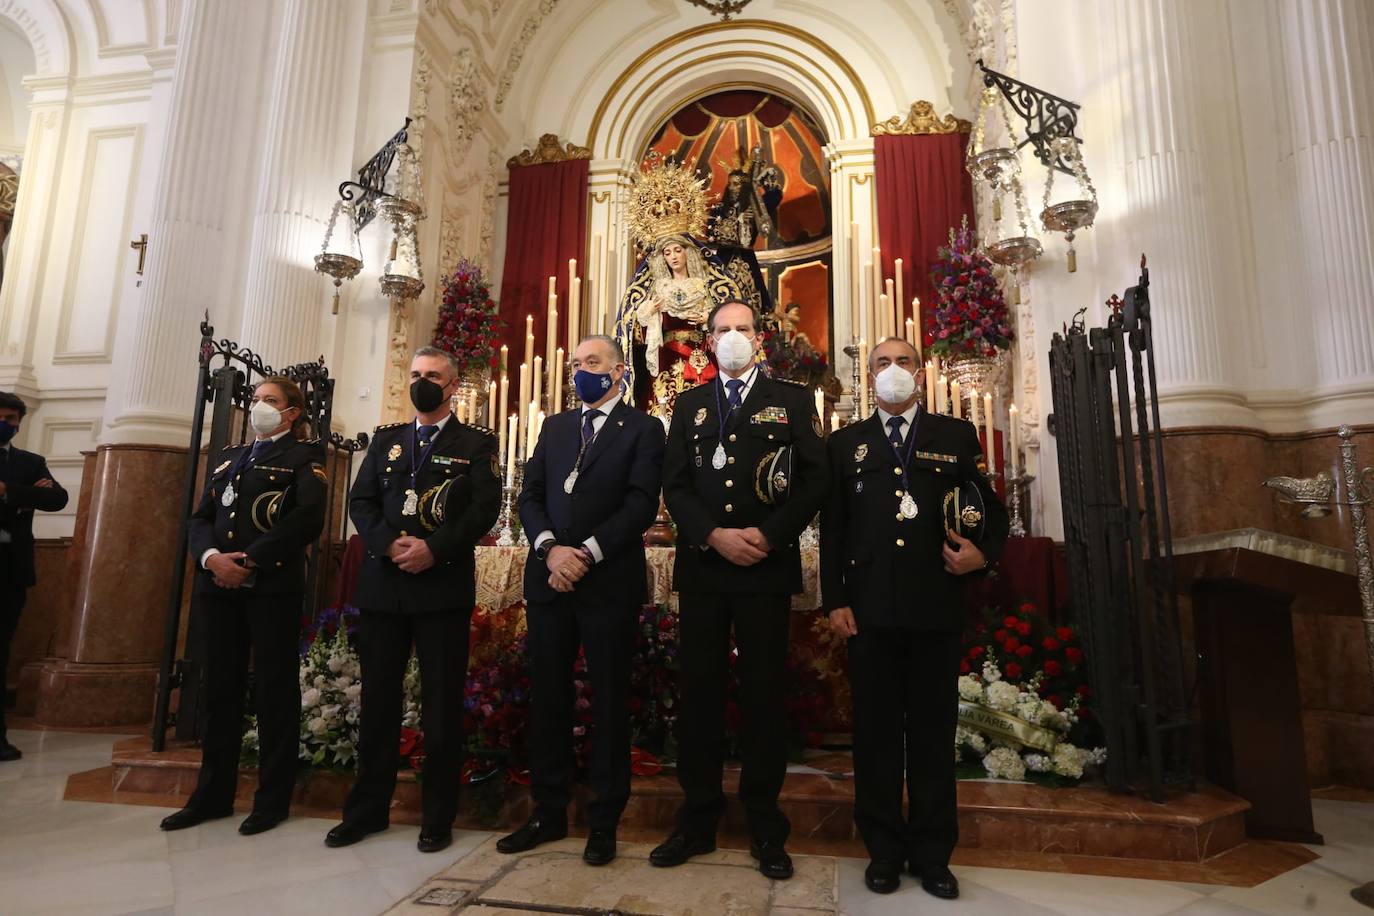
[{"x": 725, "y": 9}]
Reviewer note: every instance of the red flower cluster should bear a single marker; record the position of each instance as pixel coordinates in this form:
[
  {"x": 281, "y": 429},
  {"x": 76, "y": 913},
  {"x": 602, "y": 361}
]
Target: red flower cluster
[
  {"x": 469, "y": 326},
  {"x": 969, "y": 317}
]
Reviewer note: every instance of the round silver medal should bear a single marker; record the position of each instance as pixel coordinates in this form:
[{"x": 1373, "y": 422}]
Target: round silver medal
[
  {"x": 570, "y": 482},
  {"x": 718, "y": 458},
  {"x": 229, "y": 495},
  {"x": 908, "y": 506}
]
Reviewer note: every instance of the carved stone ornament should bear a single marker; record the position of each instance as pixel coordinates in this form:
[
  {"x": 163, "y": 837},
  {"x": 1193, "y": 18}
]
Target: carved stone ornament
[
  {"x": 921, "y": 119},
  {"x": 548, "y": 149}
]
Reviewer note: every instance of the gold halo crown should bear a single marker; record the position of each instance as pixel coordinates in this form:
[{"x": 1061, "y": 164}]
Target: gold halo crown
[{"x": 666, "y": 199}]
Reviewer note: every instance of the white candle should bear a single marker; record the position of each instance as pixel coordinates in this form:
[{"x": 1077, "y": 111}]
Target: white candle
[
  {"x": 941, "y": 396},
  {"x": 556, "y": 382},
  {"x": 551, "y": 339},
  {"x": 820, "y": 402},
  {"x": 866, "y": 314},
  {"x": 893, "y": 325},
  {"x": 911, "y": 335},
  {"x": 1014, "y": 434},
  {"x": 461, "y": 413},
  {"x": 973, "y": 408},
  {"x": 834, "y": 422},
  {"x": 491, "y": 403},
  {"x": 594, "y": 292},
  {"x": 519, "y": 442},
  {"x": 880, "y": 323},
  {"x": 898, "y": 300},
  {"x": 916, "y": 317},
  {"x": 529, "y": 340},
  {"x": 532, "y": 429},
  {"x": 537, "y": 385},
  {"x": 509, "y": 430},
  {"x": 884, "y": 319},
  {"x": 988, "y": 417},
  {"x": 574, "y": 305},
  {"x": 930, "y": 387},
  {"x": 504, "y": 444},
  {"x": 955, "y": 400}
]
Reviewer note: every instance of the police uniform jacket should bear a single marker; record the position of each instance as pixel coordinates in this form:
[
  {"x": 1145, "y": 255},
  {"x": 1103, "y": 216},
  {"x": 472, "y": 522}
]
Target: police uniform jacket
[
  {"x": 888, "y": 568},
  {"x": 275, "y": 513},
  {"x": 20, "y": 470},
  {"x": 458, "y": 497},
  {"x": 701, "y": 498}
]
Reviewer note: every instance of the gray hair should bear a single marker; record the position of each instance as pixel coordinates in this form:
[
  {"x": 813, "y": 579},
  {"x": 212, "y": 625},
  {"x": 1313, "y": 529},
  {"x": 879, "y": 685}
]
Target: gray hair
[
  {"x": 448, "y": 357},
  {"x": 609, "y": 341},
  {"x": 872, "y": 354}
]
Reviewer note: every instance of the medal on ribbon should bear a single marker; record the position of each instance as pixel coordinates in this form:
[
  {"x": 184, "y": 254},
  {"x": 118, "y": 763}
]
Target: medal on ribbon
[
  {"x": 718, "y": 457},
  {"x": 412, "y": 503},
  {"x": 228, "y": 497},
  {"x": 570, "y": 482},
  {"x": 908, "y": 505}
]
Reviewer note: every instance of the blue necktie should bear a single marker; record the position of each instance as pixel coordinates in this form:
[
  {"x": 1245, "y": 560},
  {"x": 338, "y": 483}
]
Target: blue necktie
[
  {"x": 895, "y": 424},
  {"x": 588, "y": 429},
  {"x": 258, "y": 448},
  {"x": 427, "y": 434},
  {"x": 735, "y": 386}
]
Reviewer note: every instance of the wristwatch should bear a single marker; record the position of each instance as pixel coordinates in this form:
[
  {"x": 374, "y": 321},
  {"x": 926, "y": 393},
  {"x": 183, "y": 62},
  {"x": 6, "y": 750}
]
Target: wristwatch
[{"x": 541, "y": 550}]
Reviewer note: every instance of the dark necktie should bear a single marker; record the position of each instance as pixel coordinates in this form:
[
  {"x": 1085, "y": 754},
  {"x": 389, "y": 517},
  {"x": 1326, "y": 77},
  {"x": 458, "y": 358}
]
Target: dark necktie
[
  {"x": 734, "y": 386},
  {"x": 588, "y": 429},
  {"x": 427, "y": 434},
  {"x": 259, "y": 446},
  {"x": 895, "y": 424}
]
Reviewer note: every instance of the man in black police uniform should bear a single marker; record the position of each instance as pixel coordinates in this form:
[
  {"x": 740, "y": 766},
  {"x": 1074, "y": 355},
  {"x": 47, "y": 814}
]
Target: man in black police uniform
[
  {"x": 737, "y": 564},
  {"x": 890, "y": 582},
  {"x": 591, "y": 490},
  {"x": 25, "y": 485},
  {"x": 427, "y": 491}
]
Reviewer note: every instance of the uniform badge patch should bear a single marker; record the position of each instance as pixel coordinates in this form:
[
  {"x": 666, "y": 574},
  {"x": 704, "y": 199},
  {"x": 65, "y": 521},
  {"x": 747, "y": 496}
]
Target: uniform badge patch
[
  {"x": 860, "y": 452},
  {"x": 701, "y": 416},
  {"x": 394, "y": 453},
  {"x": 222, "y": 466}
]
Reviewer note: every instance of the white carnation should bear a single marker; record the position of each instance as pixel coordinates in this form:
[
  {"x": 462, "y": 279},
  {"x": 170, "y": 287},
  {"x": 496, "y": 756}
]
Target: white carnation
[
  {"x": 353, "y": 692},
  {"x": 970, "y": 689},
  {"x": 1003, "y": 696},
  {"x": 1004, "y": 763},
  {"x": 318, "y": 726},
  {"x": 336, "y": 664},
  {"x": 1036, "y": 763},
  {"x": 991, "y": 673},
  {"x": 1068, "y": 761},
  {"x": 310, "y": 698}
]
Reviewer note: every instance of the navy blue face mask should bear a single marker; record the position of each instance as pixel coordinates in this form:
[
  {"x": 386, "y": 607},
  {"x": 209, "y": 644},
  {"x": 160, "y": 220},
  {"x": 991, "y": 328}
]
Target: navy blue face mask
[
  {"x": 7, "y": 431},
  {"x": 592, "y": 386}
]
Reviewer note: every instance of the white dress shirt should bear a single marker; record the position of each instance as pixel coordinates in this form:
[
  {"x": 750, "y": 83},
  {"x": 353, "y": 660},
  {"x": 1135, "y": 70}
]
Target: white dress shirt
[
  {"x": 908, "y": 418},
  {"x": 597, "y": 422},
  {"x": 748, "y": 378}
]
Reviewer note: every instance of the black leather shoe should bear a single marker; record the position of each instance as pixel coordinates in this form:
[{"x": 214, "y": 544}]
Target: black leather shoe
[
  {"x": 434, "y": 839},
  {"x": 535, "y": 831},
  {"x": 883, "y": 876},
  {"x": 9, "y": 752},
  {"x": 347, "y": 834},
  {"x": 938, "y": 881},
  {"x": 600, "y": 849},
  {"x": 259, "y": 823},
  {"x": 678, "y": 848},
  {"x": 774, "y": 862},
  {"x": 188, "y": 817}
]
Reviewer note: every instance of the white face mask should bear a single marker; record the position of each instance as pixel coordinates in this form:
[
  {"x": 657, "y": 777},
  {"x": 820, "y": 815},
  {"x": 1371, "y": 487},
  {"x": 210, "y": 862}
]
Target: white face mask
[
  {"x": 734, "y": 351},
  {"x": 894, "y": 384},
  {"x": 264, "y": 418}
]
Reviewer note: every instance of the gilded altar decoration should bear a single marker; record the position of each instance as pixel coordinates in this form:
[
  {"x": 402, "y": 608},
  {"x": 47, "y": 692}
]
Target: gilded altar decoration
[
  {"x": 921, "y": 119},
  {"x": 674, "y": 287},
  {"x": 548, "y": 149}
]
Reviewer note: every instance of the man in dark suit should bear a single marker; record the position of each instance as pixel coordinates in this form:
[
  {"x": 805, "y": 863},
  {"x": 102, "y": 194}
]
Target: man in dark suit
[
  {"x": 737, "y": 565},
  {"x": 591, "y": 490},
  {"x": 426, "y": 492},
  {"x": 25, "y": 485},
  {"x": 890, "y": 582}
]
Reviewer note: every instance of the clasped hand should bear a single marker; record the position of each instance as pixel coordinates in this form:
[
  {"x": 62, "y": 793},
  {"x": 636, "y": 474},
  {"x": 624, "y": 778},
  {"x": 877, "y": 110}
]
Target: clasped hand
[
  {"x": 566, "y": 566},
  {"x": 411, "y": 554},
  {"x": 226, "y": 569},
  {"x": 741, "y": 546},
  {"x": 966, "y": 558}
]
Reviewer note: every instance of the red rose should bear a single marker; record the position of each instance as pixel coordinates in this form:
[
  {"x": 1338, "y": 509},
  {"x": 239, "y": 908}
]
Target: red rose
[
  {"x": 1053, "y": 669},
  {"x": 1012, "y": 670},
  {"x": 1053, "y": 699},
  {"x": 999, "y": 635},
  {"x": 1011, "y": 644},
  {"x": 1064, "y": 633},
  {"x": 1009, "y": 622},
  {"x": 1084, "y": 691},
  {"x": 1024, "y": 651},
  {"x": 1074, "y": 655},
  {"x": 964, "y": 667},
  {"x": 976, "y": 652},
  {"x": 1024, "y": 628},
  {"x": 1027, "y": 608},
  {"x": 1050, "y": 643}
]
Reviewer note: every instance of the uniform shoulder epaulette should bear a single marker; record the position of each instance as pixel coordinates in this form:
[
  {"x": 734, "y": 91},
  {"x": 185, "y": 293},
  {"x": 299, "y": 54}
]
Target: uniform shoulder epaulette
[
  {"x": 230, "y": 448},
  {"x": 480, "y": 428},
  {"x": 377, "y": 429},
  {"x": 314, "y": 441},
  {"x": 793, "y": 382}
]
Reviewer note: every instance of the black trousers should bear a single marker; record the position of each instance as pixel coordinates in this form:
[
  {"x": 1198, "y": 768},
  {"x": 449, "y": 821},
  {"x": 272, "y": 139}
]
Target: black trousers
[
  {"x": 761, "y": 625},
  {"x": 607, "y": 634},
  {"x": 441, "y": 645},
  {"x": 269, "y": 626},
  {"x": 12, "y": 599},
  {"x": 906, "y": 696}
]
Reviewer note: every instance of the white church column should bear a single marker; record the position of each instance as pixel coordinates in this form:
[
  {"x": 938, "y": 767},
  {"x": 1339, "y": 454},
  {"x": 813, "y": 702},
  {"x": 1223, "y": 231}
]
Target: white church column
[
  {"x": 306, "y": 153},
  {"x": 1181, "y": 158},
  {"x": 1327, "y": 152},
  {"x": 854, "y": 232}
]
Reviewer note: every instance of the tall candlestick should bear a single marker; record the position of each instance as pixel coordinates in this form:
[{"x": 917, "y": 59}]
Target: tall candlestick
[
  {"x": 524, "y": 407},
  {"x": 942, "y": 396},
  {"x": 894, "y": 327},
  {"x": 529, "y": 340},
  {"x": 991, "y": 449},
  {"x": 551, "y": 330},
  {"x": 503, "y": 444},
  {"x": 556, "y": 382},
  {"x": 862, "y": 393},
  {"x": 537, "y": 386},
  {"x": 885, "y": 319},
  {"x": 973, "y": 408},
  {"x": 916, "y": 317},
  {"x": 879, "y": 327},
  {"x": 899, "y": 300},
  {"x": 531, "y": 430},
  {"x": 955, "y": 399},
  {"x": 930, "y": 386},
  {"x": 1014, "y": 436},
  {"x": 574, "y": 305},
  {"x": 509, "y": 431}
]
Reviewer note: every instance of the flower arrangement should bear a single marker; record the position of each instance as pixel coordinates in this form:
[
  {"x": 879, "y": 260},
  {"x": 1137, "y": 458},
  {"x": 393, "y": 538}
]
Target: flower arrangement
[
  {"x": 468, "y": 325},
  {"x": 970, "y": 315},
  {"x": 787, "y": 359}
]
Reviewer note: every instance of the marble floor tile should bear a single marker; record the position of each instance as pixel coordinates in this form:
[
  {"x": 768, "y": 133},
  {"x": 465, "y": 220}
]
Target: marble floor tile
[
  {"x": 106, "y": 888},
  {"x": 1082, "y": 895},
  {"x": 1209, "y": 907},
  {"x": 1306, "y": 890},
  {"x": 974, "y": 899}
]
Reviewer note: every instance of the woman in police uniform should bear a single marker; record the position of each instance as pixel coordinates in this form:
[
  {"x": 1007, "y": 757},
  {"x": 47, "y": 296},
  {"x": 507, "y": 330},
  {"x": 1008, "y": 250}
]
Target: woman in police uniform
[{"x": 263, "y": 506}]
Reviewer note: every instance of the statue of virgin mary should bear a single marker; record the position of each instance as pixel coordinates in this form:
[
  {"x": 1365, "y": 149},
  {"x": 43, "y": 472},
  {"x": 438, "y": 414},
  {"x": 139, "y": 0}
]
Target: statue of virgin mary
[{"x": 675, "y": 286}]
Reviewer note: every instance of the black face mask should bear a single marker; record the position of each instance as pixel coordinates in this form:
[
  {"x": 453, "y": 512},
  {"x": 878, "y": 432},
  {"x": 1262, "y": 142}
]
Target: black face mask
[{"x": 426, "y": 395}]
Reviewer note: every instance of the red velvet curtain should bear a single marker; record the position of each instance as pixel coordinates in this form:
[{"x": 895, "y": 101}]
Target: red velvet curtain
[
  {"x": 547, "y": 226},
  {"x": 923, "y": 192}
]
